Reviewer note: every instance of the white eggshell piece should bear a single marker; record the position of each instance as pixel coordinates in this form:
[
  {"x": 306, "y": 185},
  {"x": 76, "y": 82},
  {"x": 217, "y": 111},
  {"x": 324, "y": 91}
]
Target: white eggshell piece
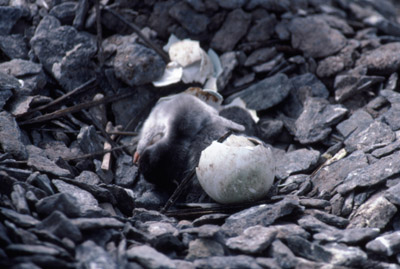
[
  {"x": 185, "y": 52},
  {"x": 236, "y": 171}
]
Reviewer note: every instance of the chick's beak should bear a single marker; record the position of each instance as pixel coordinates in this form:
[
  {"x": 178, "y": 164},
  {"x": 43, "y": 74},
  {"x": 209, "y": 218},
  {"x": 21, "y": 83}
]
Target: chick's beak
[{"x": 136, "y": 157}]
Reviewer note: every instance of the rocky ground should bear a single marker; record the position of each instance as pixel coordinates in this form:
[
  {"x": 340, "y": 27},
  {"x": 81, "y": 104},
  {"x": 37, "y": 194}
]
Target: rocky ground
[{"x": 76, "y": 87}]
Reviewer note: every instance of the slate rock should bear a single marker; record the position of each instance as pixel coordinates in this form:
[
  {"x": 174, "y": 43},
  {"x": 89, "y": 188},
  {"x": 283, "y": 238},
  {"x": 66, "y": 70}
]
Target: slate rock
[
  {"x": 228, "y": 4},
  {"x": 254, "y": 239},
  {"x": 136, "y": 65},
  {"x": 314, "y": 123},
  {"x": 328, "y": 177},
  {"x": 88, "y": 254},
  {"x": 14, "y": 46},
  {"x": 383, "y": 60},
  {"x": 351, "y": 236},
  {"x": 125, "y": 172},
  {"x": 7, "y": 83},
  {"x": 239, "y": 261},
  {"x": 203, "y": 248},
  {"x": 68, "y": 54},
  {"x": 88, "y": 177},
  {"x": 283, "y": 255},
  {"x": 327, "y": 218},
  {"x": 260, "y": 56},
  {"x": 358, "y": 121},
  {"x": 88, "y": 140},
  {"x": 18, "y": 199},
  {"x": 306, "y": 85},
  {"x": 392, "y": 194},
  {"x": 125, "y": 201},
  {"x": 311, "y": 223},
  {"x": 58, "y": 224},
  {"x": 387, "y": 244},
  {"x": 159, "y": 19},
  {"x": 262, "y": 30},
  {"x": 64, "y": 12},
  {"x": 25, "y": 249},
  {"x": 233, "y": 29},
  {"x": 228, "y": 63},
  {"x": 9, "y": 17},
  {"x": 376, "y": 212},
  {"x": 149, "y": 257},
  {"x": 192, "y": 21},
  {"x": 22, "y": 220},
  {"x": 40, "y": 162},
  {"x": 11, "y": 137},
  {"x": 371, "y": 175},
  {"x": 297, "y": 161},
  {"x": 204, "y": 231},
  {"x": 306, "y": 30},
  {"x": 271, "y": 5},
  {"x": 269, "y": 129},
  {"x": 263, "y": 215},
  {"x": 265, "y": 93},
  {"x": 343, "y": 255},
  {"x": 63, "y": 202},
  {"x": 97, "y": 223}
]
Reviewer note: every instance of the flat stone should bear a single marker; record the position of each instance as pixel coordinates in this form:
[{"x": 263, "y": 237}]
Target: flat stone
[
  {"x": 58, "y": 224},
  {"x": 358, "y": 121},
  {"x": 263, "y": 215},
  {"x": 297, "y": 161},
  {"x": 376, "y": 212},
  {"x": 387, "y": 244},
  {"x": 192, "y": 21},
  {"x": 136, "y": 65},
  {"x": 149, "y": 257},
  {"x": 239, "y": 261},
  {"x": 18, "y": 199},
  {"x": 22, "y": 220},
  {"x": 11, "y": 137},
  {"x": 306, "y": 30},
  {"x": 328, "y": 177},
  {"x": 64, "y": 12},
  {"x": 314, "y": 123},
  {"x": 40, "y": 162},
  {"x": 313, "y": 224},
  {"x": 97, "y": 223},
  {"x": 203, "y": 248},
  {"x": 352, "y": 236},
  {"x": 9, "y": 16},
  {"x": 233, "y": 29},
  {"x": 125, "y": 172},
  {"x": 63, "y": 202},
  {"x": 88, "y": 140},
  {"x": 263, "y": 29},
  {"x": 392, "y": 194},
  {"x": 89, "y": 254},
  {"x": 265, "y": 93},
  {"x": 160, "y": 20},
  {"x": 372, "y": 174},
  {"x": 383, "y": 60},
  {"x": 229, "y": 4},
  {"x": 254, "y": 239},
  {"x": 88, "y": 177},
  {"x": 14, "y": 46},
  {"x": 283, "y": 255},
  {"x": 204, "y": 231},
  {"x": 327, "y": 218},
  {"x": 228, "y": 63},
  {"x": 64, "y": 52},
  {"x": 260, "y": 56},
  {"x": 25, "y": 249}
]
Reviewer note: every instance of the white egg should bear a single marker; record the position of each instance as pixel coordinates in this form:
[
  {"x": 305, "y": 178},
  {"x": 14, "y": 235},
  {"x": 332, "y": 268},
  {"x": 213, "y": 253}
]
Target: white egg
[{"x": 238, "y": 170}]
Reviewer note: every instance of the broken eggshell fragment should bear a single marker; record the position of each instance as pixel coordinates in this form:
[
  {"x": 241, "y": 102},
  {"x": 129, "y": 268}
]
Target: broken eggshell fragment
[{"x": 240, "y": 169}]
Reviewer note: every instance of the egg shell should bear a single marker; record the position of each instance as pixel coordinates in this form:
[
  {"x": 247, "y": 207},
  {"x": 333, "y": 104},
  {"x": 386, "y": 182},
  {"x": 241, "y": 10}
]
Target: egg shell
[{"x": 236, "y": 171}]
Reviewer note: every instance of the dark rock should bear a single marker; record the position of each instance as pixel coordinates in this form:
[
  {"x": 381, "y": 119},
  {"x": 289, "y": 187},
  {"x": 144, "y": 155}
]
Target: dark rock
[
  {"x": 233, "y": 29},
  {"x": 64, "y": 12},
  {"x": 239, "y": 261},
  {"x": 314, "y": 203},
  {"x": 88, "y": 140},
  {"x": 58, "y": 224},
  {"x": 254, "y": 239},
  {"x": 358, "y": 121},
  {"x": 14, "y": 46},
  {"x": 231, "y": 4},
  {"x": 287, "y": 229},
  {"x": 392, "y": 194},
  {"x": 372, "y": 174},
  {"x": 159, "y": 19},
  {"x": 68, "y": 56},
  {"x": 387, "y": 244},
  {"x": 328, "y": 177},
  {"x": 106, "y": 176},
  {"x": 22, "y": 220},
  {"x": 4, "y": 239},
  {"x": 125, "y": 172},
  {"x": 270, "y": 66},
  {"x": 39, "y": 161},
  {"x": 203, "y": 248},
  {"x": 307, "y": 85},
  {"x": 136, "y": 65},
  {"x": 193, "y": 22},
  {"x": 228, "y": 63},
  {"x": 97, "y": 223},
  {"x": 262, "y": 30},
  {"x": 11, "y": 137},
  {"x": 204, "y": 231},
  {"x": 271, "y": 5},
  {"x": 269, "y": 129},
  {"x": 143, "y": 215},
  {"x": 9, "y": 17},
  {"x": 89, "y": 254},
  {"x": 350, "y": 236},
  {"x": 263, "y": 215},
  {"x": 376, "y": 212},
  {"x": 88, "y": 177},
  {"x": 246, "y": 79},
  {"x": 46, "y": 261},
  {"x": 312, "y": 224},
  {"x": 6, "y": 85},
  {"x": 63, "y": 202},
  {"x": 305, "y": 30},
  {"x": 125, "y": 201},
  {"x": 328, "y": 218},
  {"x": 297, "y": 161},
  {"x": 19, "y": 200},
  {"x": 260, "y": 56},
  {"x": 383, "y": 60},
  {"x": 314, "y": 123},
  {"x": 241, "y": 116},
  {"x": 149, "y": 257},
  {"x": 25, "y": 249},
  {"x": 283, "y": 255},
  {"x": 266, "y": 93}
]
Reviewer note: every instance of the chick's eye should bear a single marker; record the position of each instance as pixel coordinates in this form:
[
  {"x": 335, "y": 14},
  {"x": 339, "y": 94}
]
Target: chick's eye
[{"x": 156, "y": 138}]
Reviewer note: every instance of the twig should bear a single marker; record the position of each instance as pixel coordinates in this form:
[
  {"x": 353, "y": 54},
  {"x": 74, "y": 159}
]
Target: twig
[
  {"x": 139, "y": 33},
  {"x": 186, "y": 180},
  {"x": 79, "y": 89},
  {"x": 73, "y": 109}
]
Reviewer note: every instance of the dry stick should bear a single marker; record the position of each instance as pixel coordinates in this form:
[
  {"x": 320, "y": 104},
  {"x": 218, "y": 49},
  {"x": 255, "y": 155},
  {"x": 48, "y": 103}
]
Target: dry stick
[
  {"x": 79, "y": 89},
  {"x": 73, "y": 109},
  {"x": 139, "y": 33},
  {"x": 186, "y": 180}
]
